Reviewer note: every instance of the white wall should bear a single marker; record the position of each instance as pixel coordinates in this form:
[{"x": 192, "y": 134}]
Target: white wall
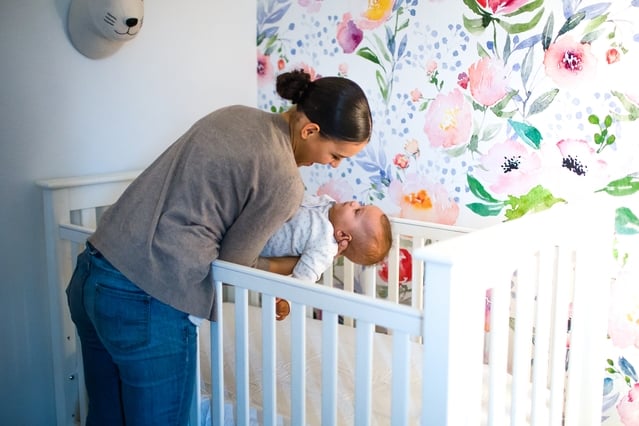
[{"x": 62, "y": 114}]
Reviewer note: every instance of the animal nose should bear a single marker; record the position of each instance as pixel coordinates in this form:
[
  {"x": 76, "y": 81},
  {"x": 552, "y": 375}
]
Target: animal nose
[{"x": 131, "y": 22}]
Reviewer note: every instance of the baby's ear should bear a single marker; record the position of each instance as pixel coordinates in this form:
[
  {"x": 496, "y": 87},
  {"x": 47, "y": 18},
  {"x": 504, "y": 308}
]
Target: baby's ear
[{"x": 342, "y": 239}]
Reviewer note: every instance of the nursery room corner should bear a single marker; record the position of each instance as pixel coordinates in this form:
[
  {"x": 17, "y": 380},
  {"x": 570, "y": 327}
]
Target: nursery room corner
[{"x": 65, "y": 114}]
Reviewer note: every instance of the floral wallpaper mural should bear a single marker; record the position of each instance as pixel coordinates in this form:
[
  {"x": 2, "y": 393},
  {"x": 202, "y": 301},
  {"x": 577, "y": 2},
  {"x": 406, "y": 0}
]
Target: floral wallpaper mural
[{"x": 484, "y": 111}]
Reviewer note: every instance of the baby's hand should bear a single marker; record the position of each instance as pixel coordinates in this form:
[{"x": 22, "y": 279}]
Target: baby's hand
[{"x": 282, "y": 308}]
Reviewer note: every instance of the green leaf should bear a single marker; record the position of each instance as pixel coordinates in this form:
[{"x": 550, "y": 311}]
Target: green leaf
[
  {"x": 474, "y": 26},
  {"x": 611, "y": 139},
  {"x": 608, "y": 121},
  {"x": 593, "y": 119},
  {"x": 591, "y": 36},
  {"x": 626, "y": 222},
  {"x": 527, "y": 8},
  {"x": 571, "y": 23},
  {"x": 536, "y": 200},
  {"x": 482, "y": 52},
  {"x": 526, "y": 66},
  {"x": 485, "y": 209},
  {"x": 627, "y": 185},
  {"x": 381, "y": 45},
  {"x": 595, "y": 22},
  {"x": 543, "y": 101},
  {"x": 503, "y": 103},
  {"x": 527, "y": 133},
  {"x": 368, "y": 54},
  {"x": 522, "y": 27},
  {"x": 546, "y": 37},
  {"x": 382, "y": 84},
  {"x": 478, "y": 190},
  {"x": 631, "y": 107}
]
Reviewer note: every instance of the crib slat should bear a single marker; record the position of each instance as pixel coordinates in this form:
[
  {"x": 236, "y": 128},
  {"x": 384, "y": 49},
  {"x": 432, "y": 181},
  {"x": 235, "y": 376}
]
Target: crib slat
[
  {"x": 417, "y": 293},
  {"x": 526, "y": 283},
  {"x": 368, "y": 281},
  {"x": 393, "y": 268},
  {"x": 217, "y": 362},
  {"x": 269, "y": 340},
  {"x": 329, "y": 368},
  {"x": 242, "y": 356},
  {"x": 401, "y": 379},
  {"x": 363, "y": 368},
  {"x": 563, "y": 296},
  {"x": 298, "y": 364},
  {"x": 545, "y": 308},
  {"x": 499, "y": 343}
]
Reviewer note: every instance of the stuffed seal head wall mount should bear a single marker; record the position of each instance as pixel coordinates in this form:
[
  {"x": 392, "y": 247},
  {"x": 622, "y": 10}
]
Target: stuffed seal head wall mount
[{"x": 98, "y": 28}]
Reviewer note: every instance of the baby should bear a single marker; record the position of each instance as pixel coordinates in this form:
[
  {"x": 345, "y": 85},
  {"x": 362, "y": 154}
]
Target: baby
[{"x": 322, "y": 229}]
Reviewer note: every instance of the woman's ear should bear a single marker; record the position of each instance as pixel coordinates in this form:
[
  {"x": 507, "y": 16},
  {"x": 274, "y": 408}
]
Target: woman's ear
[{"x": 310, "y": 129}]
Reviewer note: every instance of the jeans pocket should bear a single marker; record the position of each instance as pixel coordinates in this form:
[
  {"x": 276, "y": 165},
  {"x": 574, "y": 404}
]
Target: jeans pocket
[{"x": 122, "y": 318}]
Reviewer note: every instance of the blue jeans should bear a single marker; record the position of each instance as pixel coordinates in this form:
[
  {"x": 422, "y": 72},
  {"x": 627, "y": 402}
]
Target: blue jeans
[{"x": 139, "y": 354}]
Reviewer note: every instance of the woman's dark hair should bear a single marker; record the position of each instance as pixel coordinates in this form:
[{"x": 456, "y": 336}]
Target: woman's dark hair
[{"x": 338, "y": 105}]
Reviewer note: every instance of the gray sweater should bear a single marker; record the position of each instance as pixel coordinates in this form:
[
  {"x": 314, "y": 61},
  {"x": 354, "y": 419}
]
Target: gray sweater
[{"x": 220, "y": 191}]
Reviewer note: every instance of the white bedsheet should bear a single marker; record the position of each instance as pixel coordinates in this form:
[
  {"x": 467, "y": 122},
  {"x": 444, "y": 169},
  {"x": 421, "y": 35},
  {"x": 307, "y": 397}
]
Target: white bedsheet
[{"x": 381, "y": 373}]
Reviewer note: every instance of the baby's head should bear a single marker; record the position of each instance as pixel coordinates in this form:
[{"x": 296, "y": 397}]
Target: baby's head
[{"x": 363, "y": 233}]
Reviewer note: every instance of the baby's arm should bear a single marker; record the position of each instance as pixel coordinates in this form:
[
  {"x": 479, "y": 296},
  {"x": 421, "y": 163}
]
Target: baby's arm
[{"x": 280, "y": 265}]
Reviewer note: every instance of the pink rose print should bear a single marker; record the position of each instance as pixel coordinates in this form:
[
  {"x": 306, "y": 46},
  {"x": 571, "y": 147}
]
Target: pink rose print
[
  {"x": 488, "y": 81},
  {"x": 311, "y": 6},
  {"x": 264, "y": 69},
  {"x": 448, "y": 120},
  {"x": 342, "y": 70},
  {"x": 338, "y": 189},
  {"x": 415, "y": 95},
  {"x": 509, "y": 168},
  {"x": 412, "y": 148},
  {"x": 501, "y": 7},
  {"x": 628, "y": 407},
  {"x": 401, "y": 161},
  {"x": 462, "y": 80},
  {"x": 431, "y": 67},
  {"x": 348, "y": 35},
  {"x": 613, "y": 55},
  {"x": 419, "y": 199},
  {"x": 569, "y": 62}
]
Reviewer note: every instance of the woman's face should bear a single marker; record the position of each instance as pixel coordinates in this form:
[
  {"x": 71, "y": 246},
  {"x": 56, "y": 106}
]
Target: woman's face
[{"x": 310, "y": 147}]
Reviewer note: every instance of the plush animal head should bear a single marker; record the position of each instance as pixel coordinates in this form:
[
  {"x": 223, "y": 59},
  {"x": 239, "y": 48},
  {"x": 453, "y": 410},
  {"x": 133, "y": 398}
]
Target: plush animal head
[{"x": 98, "y": 28}]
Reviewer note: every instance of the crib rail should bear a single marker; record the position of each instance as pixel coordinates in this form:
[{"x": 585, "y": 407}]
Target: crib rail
[
  {"x": 403, "y": 321},
  {"x": 557, "y": 262}
]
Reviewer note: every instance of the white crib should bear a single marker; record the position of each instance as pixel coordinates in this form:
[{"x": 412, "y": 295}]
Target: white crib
[{"x": 367, "y": 368}]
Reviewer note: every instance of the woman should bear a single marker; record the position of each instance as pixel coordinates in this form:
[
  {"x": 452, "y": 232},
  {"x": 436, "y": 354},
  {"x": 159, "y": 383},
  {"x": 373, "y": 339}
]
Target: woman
[{"x": 219, "y": 191}]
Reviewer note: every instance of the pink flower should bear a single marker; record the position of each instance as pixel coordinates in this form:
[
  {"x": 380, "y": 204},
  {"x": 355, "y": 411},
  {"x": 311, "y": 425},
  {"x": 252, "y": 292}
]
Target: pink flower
[
  {"x": 401, "y": 161},
  {"x": 415, "y": 95},
  {"x": 264, "y": 69},
  {"x": 311, "y": 6},
  {"x": 509, "y": 168},
  {"x": 420, "y": 199},
  {"x": 568, "y": 62},
  {"x": 431, "y": 67},
  {"x": 613, "y": 55},
  {"x": 628, "y": 407},
  {"x": 462, "y": 80},
  {"x": 338, "y": 189},
  {"x": 501, "y": 7},
  {"x": 307, "y": 69},
  {"x": 412, "y": 148},
  {"x": 488, "y": 81},
  {"x": 579, "y": 158},
  {"x": 448, "y": 120},
  {"x": 348, "y": 35},
  {"x": 343, "y": 69}
]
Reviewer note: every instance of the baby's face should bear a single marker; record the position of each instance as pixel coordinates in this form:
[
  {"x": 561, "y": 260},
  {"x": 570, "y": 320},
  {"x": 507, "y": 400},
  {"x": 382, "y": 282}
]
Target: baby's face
[{"x": 352, "y": 216}]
